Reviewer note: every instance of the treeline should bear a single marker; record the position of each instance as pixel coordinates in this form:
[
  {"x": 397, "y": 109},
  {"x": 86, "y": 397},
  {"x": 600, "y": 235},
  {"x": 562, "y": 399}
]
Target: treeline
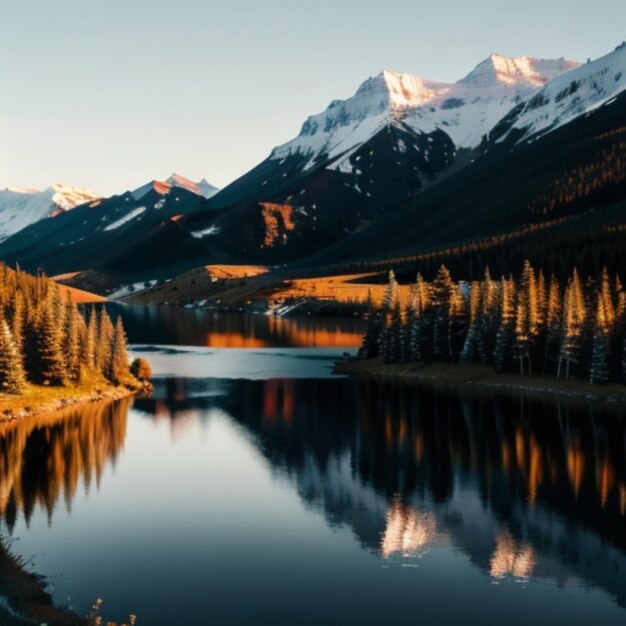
[
  {"x": 45, "y": 339},
  {"x": 525, "y": 325},
  {"x": 599, "y": 181}
]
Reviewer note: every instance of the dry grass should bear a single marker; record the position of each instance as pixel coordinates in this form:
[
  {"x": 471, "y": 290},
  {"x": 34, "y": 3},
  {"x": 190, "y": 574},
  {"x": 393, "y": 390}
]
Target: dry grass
[
  {"x": 216, "y": 282},
  {"x": 39, "y": 399},
  {"x": 82, "y": 297},
  {"x": 79, "y": 296},
  {"x": 238, "y": 284},
  {"x": 228, "y": 272},
  {"x": 341, "y": 288}
]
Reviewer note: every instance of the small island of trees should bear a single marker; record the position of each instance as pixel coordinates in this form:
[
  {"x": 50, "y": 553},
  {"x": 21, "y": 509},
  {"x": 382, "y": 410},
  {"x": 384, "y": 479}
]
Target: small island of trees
[
  {"x": 46, "y": 341},
  {"x": 525, "y": 325}
]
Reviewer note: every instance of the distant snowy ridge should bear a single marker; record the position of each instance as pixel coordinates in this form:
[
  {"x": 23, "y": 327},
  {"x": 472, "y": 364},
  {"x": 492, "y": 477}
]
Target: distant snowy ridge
[
  {"x": 573, "y": 94},
  {"x": 465, "y": 110},
  {"x": 21, "y": 207}
]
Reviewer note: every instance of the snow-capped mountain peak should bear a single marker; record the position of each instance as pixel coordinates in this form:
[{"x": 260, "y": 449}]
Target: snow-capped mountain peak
[
  {"x": 20, "y": 207},
  {"x": 465, "y": 110},
  {"x": 404, "y": 91},
  {"x": 571, "y": 94},
  {"x": 65, "y": 197},
  {"x": 521, "y": 72}
]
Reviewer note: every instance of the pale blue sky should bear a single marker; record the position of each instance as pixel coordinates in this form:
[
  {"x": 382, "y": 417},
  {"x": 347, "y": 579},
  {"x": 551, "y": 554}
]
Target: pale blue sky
[{"x": 111, "y": 93}]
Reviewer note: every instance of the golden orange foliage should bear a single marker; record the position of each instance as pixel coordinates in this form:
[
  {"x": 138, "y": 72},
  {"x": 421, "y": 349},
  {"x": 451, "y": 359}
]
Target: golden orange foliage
[
  {"x": 227, "y": 272},
  {"x": 80, "y": 442},
  {"x": 278, "y": 220}
]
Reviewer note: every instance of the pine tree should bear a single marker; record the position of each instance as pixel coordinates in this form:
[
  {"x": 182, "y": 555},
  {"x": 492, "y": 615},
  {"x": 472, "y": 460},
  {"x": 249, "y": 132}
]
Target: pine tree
[
  {"x": 17, "y": 322},
  {"x": 405, "y": 335},
  {"x": 470, "y": 345},
  {"x": 542, "y": 300},
  {"x": 529, "y": 300},
  {"x": 70, "y": 342},
  {"x": 12, "y": 377},
  {"x": 390, "y": 297},
  {"x": 599, "y": 373},
  {"x": 553, "y": 324},
  {"x": 370, "y": 348},
  {"x": 416, "y": 335},
  {"x": 504, "y": 337},
  {"x": 105, "y": 345},
  {"x": 91, "y": 350},
  {"x": 441, "y": 294},
  {"x": 393, "y": 330},
  {"x": 457, "y": 322},
  {"x": 573, "y": 321},
  {"x": 49, "y": 367},
  {"x": 421, "y": 294},
  {"x": 488, "y": 323},
  {"x": 521, "y": 342},
  {"x": 119, "y": 353}
]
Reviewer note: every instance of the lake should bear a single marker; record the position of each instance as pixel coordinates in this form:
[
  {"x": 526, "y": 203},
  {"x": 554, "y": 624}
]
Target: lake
[{"x": 256, "y": 487}]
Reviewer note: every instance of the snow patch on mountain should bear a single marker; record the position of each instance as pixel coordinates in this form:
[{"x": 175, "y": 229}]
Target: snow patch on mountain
[
  {"x": 131, "y": 215},
  {"x": 211, "y": 230},
  {"x": 573, "y": 94},
  {"x": 21, "y": 207},
  {"x": 465, "y": 110}
]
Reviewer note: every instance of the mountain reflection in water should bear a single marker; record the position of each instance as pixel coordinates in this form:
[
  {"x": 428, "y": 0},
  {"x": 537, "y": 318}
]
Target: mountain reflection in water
[{"x": 522, "y": 488}]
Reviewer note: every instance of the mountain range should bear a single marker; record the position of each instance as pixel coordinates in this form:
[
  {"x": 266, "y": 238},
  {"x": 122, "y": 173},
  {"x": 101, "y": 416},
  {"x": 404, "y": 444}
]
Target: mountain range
[
  {"x": 21, "y": 207},
  {"x": 521, "y": 153}
]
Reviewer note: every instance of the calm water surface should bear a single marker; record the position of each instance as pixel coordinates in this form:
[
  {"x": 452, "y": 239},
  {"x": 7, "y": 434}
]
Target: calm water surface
[{"x": 256, "y": 488}]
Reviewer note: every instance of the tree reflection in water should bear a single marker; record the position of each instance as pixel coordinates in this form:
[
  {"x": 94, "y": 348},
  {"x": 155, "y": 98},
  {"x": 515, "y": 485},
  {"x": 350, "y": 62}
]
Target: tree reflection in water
[
  {"x": 523, "y": 486},
  {"x": 45, "y": 457}
]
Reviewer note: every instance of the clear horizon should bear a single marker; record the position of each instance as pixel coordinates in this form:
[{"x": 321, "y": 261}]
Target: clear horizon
[{"x": 111, "y": 96}]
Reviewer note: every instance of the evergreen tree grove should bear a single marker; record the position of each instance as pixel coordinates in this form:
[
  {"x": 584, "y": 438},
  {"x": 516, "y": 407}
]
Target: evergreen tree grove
[
  {"x": 525, "y": 325},
  {"x": 45, "y": 340}
]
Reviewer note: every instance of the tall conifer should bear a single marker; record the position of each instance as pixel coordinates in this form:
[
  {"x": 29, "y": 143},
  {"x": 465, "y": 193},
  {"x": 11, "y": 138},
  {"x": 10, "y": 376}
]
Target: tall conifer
[{"x": 12, "y": 377}]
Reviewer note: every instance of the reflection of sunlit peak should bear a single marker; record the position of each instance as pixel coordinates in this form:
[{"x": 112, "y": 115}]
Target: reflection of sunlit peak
[
  {"x": 512, "y": 557},
  {"x": 407, "y": 532}
]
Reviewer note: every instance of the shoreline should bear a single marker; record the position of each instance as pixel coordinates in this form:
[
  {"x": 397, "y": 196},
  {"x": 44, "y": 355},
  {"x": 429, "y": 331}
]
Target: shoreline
[
  {"x": 51, "y": 405},
  {"x": 473, "y": 376}
]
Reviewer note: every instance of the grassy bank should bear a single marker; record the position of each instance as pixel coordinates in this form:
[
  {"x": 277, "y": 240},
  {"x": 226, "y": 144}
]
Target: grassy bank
[
  {"x": 482, "y": 377},
  {"x": 39, "y": 399}
]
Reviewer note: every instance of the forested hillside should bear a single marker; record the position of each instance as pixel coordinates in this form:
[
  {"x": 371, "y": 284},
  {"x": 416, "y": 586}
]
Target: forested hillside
[{"x": 558, "y": 200}]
